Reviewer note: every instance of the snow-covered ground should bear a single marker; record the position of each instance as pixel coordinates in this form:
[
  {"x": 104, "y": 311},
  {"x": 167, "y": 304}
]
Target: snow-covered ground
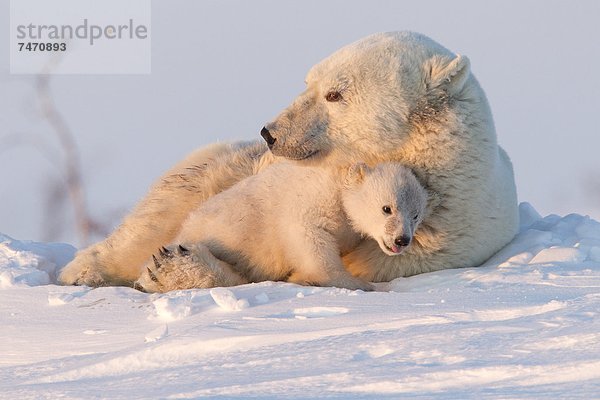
[{"x": 525, "y": 325}]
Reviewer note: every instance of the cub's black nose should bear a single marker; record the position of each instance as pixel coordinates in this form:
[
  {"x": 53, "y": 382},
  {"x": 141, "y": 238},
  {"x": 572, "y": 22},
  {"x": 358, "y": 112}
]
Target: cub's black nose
[
  {"x": 402, "y": 241},
  {"x": 264, "y": 132}
]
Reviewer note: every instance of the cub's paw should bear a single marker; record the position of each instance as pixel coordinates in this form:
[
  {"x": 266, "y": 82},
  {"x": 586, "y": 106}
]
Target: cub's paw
[
  {"x": 167, "y": 271},
  {"x": 190, "y": 267}
]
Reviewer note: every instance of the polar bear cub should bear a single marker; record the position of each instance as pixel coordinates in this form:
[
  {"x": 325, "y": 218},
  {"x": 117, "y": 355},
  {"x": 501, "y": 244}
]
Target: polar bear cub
[{"x": 291, "y": 223}]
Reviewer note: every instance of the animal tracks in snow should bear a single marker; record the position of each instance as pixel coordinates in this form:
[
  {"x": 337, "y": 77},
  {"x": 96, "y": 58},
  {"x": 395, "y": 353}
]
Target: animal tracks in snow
[
  {"x": 505, "y": 314},
  {"x": 319, "y": 312},
  {"x": 306, "y": 313}
]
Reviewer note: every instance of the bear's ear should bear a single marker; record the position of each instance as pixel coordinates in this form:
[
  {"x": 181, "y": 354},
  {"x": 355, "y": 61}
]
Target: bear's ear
[
  {"x": 356, "y": 174},
  {"x": 450, "y": 76}
]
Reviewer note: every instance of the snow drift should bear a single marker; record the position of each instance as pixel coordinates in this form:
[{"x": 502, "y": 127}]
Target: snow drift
[{"x": 523, "y": 325}]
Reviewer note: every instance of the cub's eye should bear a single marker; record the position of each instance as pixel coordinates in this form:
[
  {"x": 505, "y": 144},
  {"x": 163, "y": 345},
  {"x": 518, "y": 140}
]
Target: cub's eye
[
  {"x": 333, "y": 96},
  {"x": 416, "y": 217},
  {"x": 386, "y": 209}
]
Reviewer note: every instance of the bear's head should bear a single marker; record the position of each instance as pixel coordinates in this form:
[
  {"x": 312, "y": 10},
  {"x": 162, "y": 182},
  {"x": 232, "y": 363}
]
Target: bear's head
[
  {"x": 386, "y": 203},
  {"x": 362, "y": 100}
]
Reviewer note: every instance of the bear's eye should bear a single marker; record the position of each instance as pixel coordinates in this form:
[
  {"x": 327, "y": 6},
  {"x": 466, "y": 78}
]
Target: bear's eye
[
  {"x": 386, "y": 209},
  {"x": 416, "y": 217},
  {"x": 333, "y": 96}
]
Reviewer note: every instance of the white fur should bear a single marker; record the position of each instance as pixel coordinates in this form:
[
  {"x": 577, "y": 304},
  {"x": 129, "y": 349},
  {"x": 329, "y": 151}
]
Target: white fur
[
  {"x": 408, "y": 99},
  {"x": 288, "y": 223},
  {"x": 404, "y": 98}
]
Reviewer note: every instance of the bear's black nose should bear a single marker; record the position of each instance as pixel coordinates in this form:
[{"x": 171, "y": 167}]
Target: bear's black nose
[
  {"x": 264, "y": 132},
  {"x": 402, "y": 241}
]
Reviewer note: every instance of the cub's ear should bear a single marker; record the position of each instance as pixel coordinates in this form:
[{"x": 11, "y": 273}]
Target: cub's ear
[
  {"x": 448, "y": 75},
  {"x": 356, "y": 174}
]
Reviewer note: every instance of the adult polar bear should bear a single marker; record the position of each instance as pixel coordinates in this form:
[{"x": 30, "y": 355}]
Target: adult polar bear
[{"x": 389, "y": 97}]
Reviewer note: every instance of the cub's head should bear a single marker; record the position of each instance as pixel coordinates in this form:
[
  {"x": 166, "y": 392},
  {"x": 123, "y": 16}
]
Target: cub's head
[
  {"x": 358, "y": 102},
  {"x": 386, "y": 203}
]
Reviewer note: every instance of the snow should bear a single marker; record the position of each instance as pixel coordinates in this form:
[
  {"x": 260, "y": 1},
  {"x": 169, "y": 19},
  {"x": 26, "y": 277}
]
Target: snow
[{"x": 524, "y": 325}]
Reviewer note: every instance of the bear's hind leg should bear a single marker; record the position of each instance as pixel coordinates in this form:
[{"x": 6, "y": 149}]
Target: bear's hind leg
[{"x": 157, "y": 219}]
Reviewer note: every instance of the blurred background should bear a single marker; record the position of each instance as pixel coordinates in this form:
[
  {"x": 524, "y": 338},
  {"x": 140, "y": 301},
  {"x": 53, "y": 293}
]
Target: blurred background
[{"x": 221, "y": 69}]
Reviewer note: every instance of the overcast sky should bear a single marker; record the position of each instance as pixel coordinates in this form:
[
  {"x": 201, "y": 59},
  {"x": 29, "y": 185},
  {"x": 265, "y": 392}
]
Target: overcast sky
[{"x": 221, "y": 69}]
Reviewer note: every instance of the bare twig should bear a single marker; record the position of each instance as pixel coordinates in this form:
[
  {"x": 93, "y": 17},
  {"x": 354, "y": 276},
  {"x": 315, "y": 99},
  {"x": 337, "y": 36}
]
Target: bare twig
[{"x": 72, "y": 165}]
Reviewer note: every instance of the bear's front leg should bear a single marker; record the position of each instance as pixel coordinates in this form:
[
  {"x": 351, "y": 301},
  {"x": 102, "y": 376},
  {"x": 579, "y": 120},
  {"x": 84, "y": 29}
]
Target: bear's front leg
[
  {"x": 186, "y": 267},
  {"x": 157, "y": 219}
]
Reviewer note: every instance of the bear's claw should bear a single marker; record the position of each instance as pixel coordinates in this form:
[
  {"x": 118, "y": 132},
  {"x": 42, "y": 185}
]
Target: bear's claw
[
  {"x": 165, "y": 254},
  {"x": 182, "y": 250},
  {"x": 157, "y": 264}
]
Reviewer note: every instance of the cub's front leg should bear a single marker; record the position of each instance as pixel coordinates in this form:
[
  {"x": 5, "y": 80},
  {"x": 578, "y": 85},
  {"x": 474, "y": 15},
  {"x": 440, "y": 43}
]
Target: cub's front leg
[{"x": 319, "y": 264}]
